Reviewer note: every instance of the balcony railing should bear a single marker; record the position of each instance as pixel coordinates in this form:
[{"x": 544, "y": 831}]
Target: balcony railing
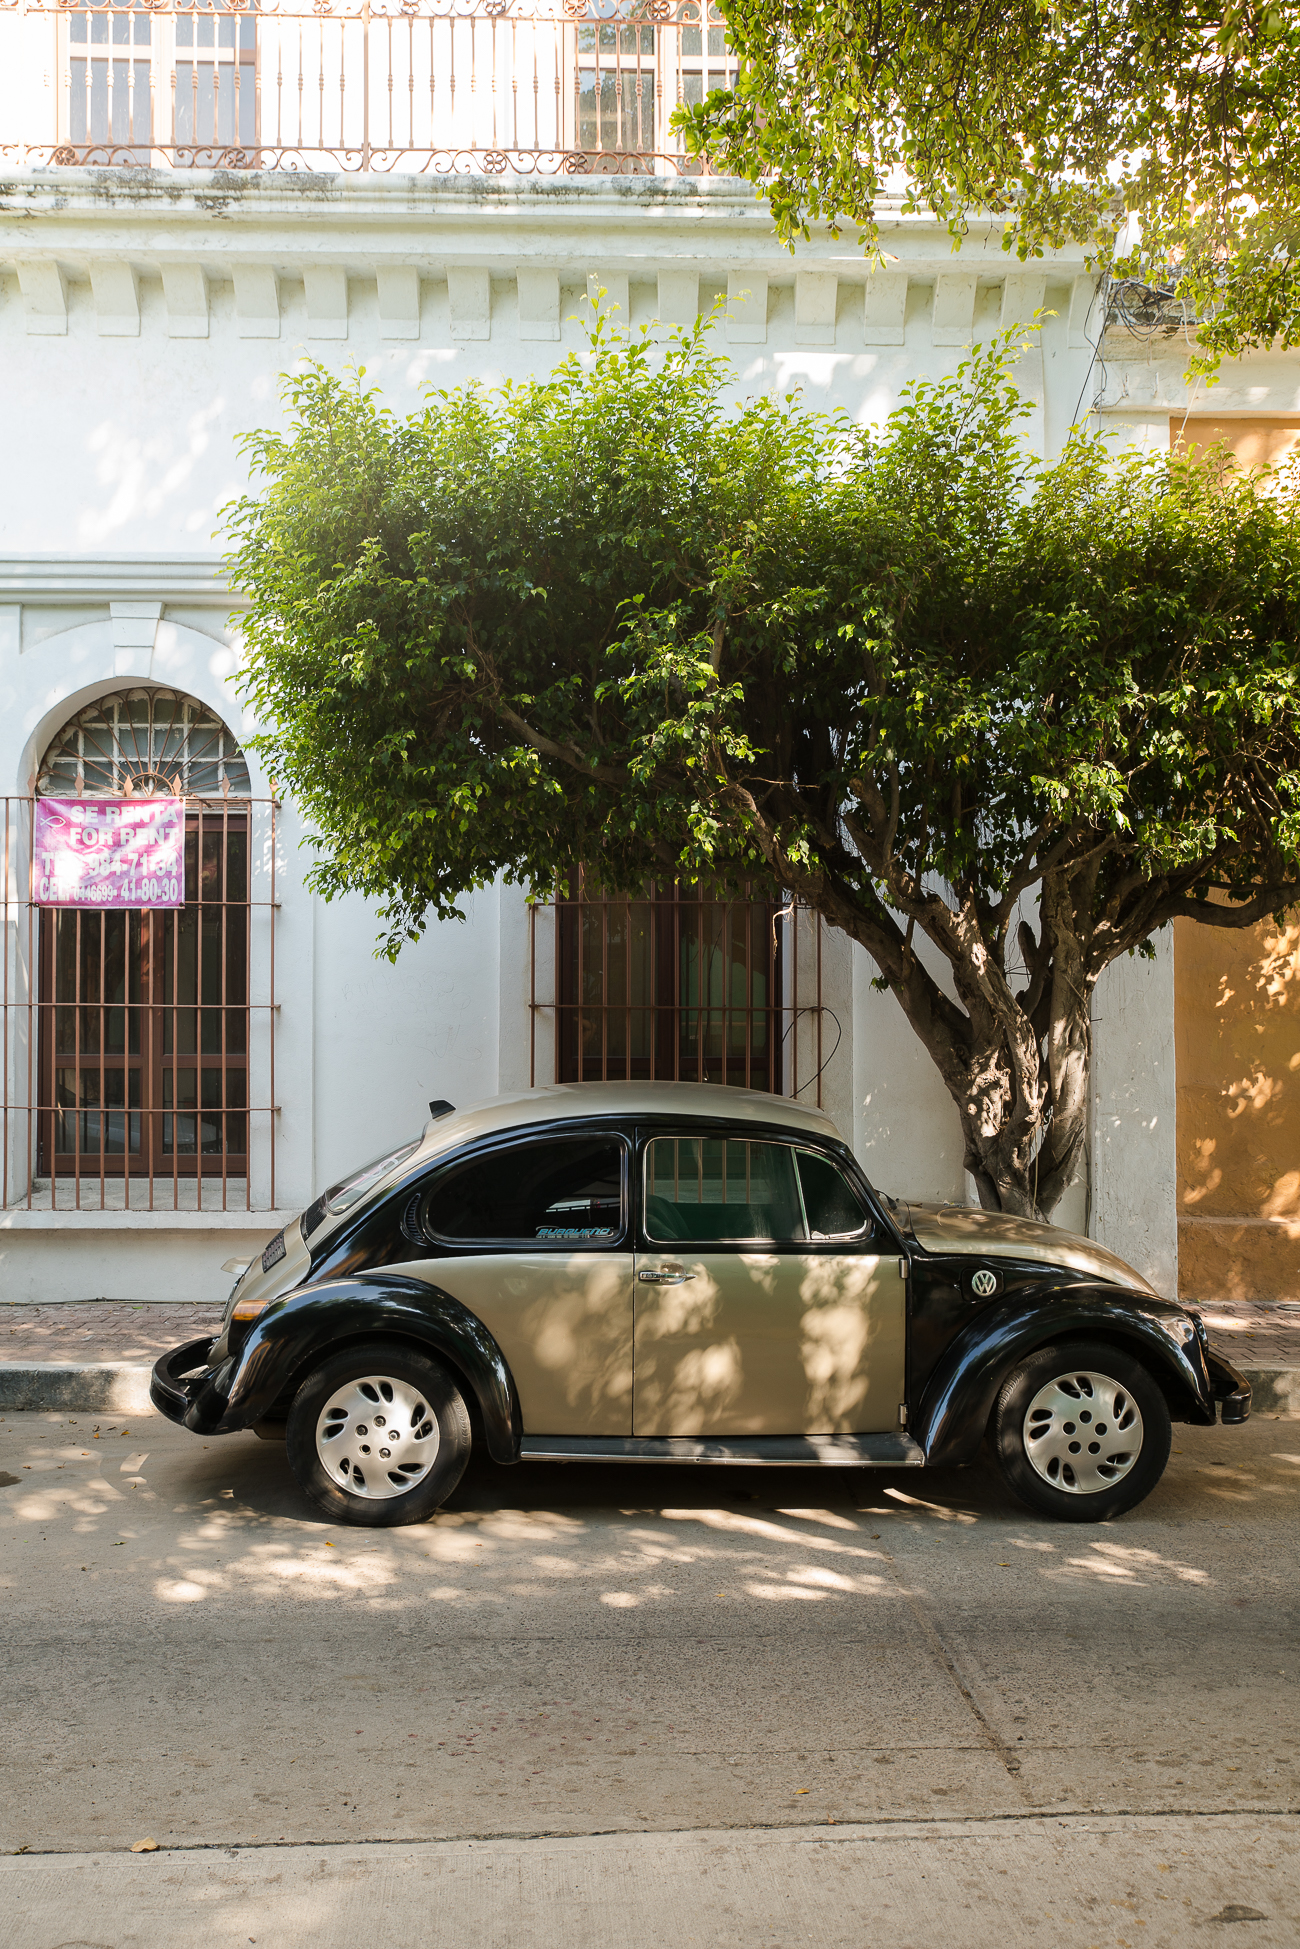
[{"x": 452, "y": 87}]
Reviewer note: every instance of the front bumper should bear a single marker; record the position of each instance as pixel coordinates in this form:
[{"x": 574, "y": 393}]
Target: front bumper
[
  {"x": 1230, "y": 1388},
  {"x": 189, "y": 1390}
]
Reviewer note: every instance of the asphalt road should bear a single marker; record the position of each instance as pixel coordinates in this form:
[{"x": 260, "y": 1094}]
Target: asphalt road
[{"x": 193, "y": 1656}]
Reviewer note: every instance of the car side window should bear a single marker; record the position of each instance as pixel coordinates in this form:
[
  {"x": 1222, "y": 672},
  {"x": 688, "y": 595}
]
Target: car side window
[
  {"x": 556, "y": 1191},
  {"x": 711, "y": 1190},
  {"x": 831, "y": 1205}
]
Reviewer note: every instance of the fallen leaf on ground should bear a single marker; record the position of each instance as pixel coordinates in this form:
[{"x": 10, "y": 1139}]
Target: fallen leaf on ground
[{"x": 144, "y": 1847}]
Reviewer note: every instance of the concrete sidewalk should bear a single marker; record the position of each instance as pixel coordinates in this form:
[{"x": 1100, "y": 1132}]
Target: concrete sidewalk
[
  {"x": 1078, "y": 1883},
  {"x": 95, "y": 1357},
  {"x": 91, "y": 1358}
]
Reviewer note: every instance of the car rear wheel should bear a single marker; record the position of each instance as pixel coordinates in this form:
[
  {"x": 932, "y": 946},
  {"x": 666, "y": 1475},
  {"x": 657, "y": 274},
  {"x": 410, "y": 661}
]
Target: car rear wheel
[
  {"x": 378, "y": 1435},
  {"x": 1081, "y": 1431}
]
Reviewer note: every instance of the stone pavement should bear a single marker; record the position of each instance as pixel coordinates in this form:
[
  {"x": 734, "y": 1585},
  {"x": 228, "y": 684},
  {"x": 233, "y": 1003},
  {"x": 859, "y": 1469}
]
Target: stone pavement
[
  {"x": 101, "y": 1330},
  {"x": 1252, "y": 1334}
]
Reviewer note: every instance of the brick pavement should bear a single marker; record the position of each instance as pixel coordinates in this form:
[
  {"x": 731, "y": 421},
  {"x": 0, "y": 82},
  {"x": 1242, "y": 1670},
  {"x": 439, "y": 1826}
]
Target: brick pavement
[
  {"x": 1252, "y": 1334},
  {"x": 102, "y": 1330}
]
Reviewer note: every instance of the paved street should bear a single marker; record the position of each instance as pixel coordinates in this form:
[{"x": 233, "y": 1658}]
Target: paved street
[{"x": 577, "y": 1651}]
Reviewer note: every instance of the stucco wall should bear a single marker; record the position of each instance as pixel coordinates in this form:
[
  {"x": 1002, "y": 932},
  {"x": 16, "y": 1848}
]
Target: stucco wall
[
  {"x": 1237, "y": 1010},
  {"x": 1134, "y": 1114}
]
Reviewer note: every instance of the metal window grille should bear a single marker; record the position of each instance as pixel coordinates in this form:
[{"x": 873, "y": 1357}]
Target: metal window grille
[
  {"x": 541, "y": 87},
  {"x": 144, "y": 740},
  {"x": 676, "y": 983},
  {"x": 138, "y": 1048}
]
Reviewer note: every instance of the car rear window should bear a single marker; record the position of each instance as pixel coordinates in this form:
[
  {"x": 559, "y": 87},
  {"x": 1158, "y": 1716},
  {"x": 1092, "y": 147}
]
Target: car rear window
[
  {"x": 351, "y": 1190},
  {"x": 553, "y": 1192}
]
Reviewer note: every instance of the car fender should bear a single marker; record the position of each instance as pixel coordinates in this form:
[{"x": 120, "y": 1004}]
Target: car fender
[
  {"x": 306, "y": 1325},
  {"x": 959, "y": 1396}
]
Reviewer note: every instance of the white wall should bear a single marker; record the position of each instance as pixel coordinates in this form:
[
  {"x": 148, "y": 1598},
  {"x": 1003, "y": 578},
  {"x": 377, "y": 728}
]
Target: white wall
[
  {"x": 1134, "y": 1114},
  {"x": 120, "y": 431}
]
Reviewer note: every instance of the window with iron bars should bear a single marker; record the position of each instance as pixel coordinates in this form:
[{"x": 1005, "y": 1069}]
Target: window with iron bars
[
  {"x": 678, "y": 983},
  {"x": 147, "y": 1046}
]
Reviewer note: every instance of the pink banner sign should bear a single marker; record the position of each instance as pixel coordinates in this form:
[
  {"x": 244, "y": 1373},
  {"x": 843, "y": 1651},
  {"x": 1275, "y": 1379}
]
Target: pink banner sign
[{"x": 109, "y": 853}]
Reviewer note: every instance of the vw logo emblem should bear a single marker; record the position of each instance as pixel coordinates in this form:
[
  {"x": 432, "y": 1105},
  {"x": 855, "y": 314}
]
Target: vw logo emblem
[{"x": 984, "y": 1284}]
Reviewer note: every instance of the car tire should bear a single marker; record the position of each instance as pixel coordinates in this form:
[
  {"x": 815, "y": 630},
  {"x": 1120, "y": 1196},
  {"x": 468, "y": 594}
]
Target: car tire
[
  {"x": 1081, "y": 1431},
  {"x": 370, "y": 1420}
]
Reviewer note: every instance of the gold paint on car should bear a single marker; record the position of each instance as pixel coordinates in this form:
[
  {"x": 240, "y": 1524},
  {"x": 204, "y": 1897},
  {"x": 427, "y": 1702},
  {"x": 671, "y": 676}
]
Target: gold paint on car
[{"x": 992, "y": 1234}]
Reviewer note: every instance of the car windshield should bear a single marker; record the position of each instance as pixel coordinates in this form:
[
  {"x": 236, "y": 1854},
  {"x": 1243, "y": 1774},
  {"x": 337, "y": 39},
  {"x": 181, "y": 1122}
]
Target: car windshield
[{"x": 350, "y": 1190}]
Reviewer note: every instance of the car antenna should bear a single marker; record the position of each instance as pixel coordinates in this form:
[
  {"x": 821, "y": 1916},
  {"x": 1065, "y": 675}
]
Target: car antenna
[{"x": 440, "y": 1107}]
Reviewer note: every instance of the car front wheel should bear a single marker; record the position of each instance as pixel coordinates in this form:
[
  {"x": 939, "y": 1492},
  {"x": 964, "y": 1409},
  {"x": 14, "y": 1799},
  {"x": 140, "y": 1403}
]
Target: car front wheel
[
  {"x": 1081, "y": 1431},
  {"x": 378, "y": 1435}
]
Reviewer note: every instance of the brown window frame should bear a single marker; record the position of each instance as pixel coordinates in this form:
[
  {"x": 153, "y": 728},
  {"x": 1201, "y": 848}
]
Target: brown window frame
[
  {"x": 670, "y": 1034},
  {"x": 156, "y": 1022}
]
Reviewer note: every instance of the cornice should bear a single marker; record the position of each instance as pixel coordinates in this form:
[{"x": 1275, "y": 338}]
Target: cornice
[
  {"x": 284, "y": 217},
  {"x": 96, "y": 581}
]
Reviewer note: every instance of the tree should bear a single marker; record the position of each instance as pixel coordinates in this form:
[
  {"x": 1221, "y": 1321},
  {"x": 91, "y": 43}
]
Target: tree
[
  {"x": 1061, "y": 119},
  {"x": 995, "y": 718}
]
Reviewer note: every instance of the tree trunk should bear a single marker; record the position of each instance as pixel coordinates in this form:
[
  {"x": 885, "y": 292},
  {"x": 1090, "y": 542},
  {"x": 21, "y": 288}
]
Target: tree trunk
[{"x": 1024, "y": 1165}]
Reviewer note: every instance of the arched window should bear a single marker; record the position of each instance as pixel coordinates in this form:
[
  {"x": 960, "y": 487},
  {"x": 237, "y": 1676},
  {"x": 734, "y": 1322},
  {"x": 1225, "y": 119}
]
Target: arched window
[
  {"x": 144, "y": 1016},
  {"x": 144, "y": 741}
]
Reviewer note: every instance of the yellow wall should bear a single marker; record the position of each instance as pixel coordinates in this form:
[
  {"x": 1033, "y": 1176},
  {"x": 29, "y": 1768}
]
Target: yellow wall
[
  {"x": 1237, "y": 1047},
  {"x": 1254, "y": 442}
]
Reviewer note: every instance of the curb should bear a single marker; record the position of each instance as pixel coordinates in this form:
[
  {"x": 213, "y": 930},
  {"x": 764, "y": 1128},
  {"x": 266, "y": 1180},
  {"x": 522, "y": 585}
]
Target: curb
[
  {"x": 92, "y": 1387},
  {"x": 1274, "y": 1390},
  {"x": 122, "y": 1387}
]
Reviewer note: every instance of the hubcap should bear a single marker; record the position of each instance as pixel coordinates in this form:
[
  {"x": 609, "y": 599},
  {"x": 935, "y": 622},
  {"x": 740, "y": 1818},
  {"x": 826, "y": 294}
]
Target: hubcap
[
  {"x": 377, "y": 1437},
  {"x": 1083, "y": 1433}
]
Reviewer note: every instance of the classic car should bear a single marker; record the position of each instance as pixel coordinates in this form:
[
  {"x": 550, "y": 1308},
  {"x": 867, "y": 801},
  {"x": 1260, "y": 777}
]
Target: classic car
[{"x": 684, "y": 1273}]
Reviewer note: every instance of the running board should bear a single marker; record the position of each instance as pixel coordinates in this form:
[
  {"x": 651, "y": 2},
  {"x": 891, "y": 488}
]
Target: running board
[{"x": 888, "y": 1451}]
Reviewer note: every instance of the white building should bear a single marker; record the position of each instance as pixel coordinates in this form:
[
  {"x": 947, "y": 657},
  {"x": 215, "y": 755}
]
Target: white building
[{"x": 156, "y": 1121}]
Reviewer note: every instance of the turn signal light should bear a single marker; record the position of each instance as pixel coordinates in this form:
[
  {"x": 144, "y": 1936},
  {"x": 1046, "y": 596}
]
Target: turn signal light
[{"x": 249, "y": 1309}]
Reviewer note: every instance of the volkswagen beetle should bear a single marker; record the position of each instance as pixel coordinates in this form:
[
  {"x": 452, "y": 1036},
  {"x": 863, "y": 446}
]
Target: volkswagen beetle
[{"x": 684, "y": 1273}]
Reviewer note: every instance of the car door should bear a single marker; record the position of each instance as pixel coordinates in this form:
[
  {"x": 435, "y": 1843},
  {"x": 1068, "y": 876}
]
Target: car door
[
  {"x": 767, "y": 1302},
  {"x": 534, "y": 1239}
]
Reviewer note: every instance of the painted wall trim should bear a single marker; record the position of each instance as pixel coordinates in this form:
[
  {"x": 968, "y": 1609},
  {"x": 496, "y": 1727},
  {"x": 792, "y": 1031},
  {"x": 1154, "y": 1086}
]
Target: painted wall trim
[{"x": 98, "y": 580}]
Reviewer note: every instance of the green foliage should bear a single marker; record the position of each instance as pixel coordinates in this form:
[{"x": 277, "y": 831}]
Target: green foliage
[
  {"x": 1061, "y": 119},
  {"x": 913, "y": 675}
]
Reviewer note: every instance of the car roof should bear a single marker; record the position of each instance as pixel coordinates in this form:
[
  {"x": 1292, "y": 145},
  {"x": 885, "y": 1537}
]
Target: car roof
[{"x": 566, "y": 1102}]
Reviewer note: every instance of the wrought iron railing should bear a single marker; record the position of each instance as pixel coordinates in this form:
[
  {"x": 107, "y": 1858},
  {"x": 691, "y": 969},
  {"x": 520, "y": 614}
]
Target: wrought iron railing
[{"x": 452, "y": 87}]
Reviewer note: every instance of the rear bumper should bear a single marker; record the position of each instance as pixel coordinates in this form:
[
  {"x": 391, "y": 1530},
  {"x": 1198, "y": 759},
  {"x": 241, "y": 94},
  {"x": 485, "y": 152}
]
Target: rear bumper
[
  {"x": 189, "y": 1390},
  {"x": 1231, "y": 1389}
]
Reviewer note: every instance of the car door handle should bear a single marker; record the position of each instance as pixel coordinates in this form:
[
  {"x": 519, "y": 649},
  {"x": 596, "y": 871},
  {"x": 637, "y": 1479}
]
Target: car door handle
[{"x": 676, "y": 1278}]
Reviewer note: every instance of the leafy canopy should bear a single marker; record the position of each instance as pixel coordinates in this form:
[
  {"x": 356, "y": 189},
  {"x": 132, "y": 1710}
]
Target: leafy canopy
[
  {"x": 913, "y": 675},
  {"x": 1061, "y": 118}
]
